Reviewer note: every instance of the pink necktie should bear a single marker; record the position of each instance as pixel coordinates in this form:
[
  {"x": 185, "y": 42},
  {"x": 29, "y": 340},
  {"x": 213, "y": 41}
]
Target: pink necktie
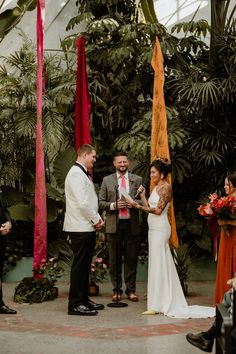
[{"x": 123, "y": 211}]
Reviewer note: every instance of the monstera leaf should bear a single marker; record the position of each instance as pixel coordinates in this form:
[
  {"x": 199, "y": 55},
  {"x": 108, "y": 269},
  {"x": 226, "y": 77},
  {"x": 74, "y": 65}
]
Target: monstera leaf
[
  {"x": 23, "y": 212},
  {"x": 62, "y": 164},
  {"x": 29, "y": 4},
  {"x": 10, "y": 17}
]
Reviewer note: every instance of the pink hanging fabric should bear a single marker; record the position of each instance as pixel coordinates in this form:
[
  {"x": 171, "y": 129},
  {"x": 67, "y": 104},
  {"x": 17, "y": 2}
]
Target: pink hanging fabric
[
  {"x": 123, "y": 211},
  {"x": 40, "y": 217}
]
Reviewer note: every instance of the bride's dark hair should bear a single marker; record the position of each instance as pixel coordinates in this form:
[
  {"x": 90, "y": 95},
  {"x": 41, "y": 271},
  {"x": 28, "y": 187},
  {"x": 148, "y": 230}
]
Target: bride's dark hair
[
  {"x": 162, "y": 165},
  {"x": 232, "y": 178}
]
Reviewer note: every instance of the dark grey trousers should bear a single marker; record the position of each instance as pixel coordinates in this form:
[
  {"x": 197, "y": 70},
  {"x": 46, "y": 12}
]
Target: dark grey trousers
[{"x": 127, "y": 246}]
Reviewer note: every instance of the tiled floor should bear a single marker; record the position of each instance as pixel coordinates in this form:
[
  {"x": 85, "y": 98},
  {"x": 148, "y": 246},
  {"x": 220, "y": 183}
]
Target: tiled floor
[{"x": 46, "y": 328}]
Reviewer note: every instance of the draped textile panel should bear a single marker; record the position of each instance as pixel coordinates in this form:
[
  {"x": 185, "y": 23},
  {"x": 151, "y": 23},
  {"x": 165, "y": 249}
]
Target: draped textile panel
[
  {"x": 159, "y": 134},
  {"x": 82, "y": 100},
  {"x": 40, "y": 217}
]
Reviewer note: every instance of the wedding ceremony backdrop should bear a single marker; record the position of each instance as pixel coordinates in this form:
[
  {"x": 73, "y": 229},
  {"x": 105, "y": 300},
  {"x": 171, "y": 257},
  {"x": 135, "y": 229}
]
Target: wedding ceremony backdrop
[{"x": 40, "y": 101}]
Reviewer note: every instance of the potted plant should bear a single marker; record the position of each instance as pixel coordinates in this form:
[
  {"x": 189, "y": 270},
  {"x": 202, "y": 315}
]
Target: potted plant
[
  {"x": 33, "y": 290},
  {"x": 182, "y": 262},
  {"x": 98, "y": 272}
]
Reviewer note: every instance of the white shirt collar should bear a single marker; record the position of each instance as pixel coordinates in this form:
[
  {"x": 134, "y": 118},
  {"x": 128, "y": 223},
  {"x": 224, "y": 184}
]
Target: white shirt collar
[{"x": 125, "y": 175}]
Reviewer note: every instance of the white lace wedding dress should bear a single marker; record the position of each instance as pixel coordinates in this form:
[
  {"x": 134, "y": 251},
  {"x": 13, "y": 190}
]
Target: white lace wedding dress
[{"x": 165, "y": 293}]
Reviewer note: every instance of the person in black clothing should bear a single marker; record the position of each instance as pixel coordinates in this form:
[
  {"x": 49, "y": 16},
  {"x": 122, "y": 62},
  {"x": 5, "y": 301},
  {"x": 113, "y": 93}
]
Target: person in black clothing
[
  {"x": 5, "y": 227},
  {"x": 205, "y": 340}
]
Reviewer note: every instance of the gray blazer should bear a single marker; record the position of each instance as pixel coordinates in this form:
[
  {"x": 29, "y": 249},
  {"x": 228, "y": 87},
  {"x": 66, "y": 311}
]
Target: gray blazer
[{"x": 107, "y": 195}]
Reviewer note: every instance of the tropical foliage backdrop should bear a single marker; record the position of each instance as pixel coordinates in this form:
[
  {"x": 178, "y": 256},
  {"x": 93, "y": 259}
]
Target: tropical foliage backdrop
[{"x": 200, "y": 94}]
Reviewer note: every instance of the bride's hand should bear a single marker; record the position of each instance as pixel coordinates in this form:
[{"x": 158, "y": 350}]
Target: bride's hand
[
  {"x": 221, "y": 222},
  {"x": 133, "y": 204},
  {"x": 232, "y": 282},
  {"x": 141, "y": 190}
]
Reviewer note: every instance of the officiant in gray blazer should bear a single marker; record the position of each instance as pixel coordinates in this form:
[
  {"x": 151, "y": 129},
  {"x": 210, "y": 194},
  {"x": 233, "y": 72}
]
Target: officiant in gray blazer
[{"x": 122, "y": 226}]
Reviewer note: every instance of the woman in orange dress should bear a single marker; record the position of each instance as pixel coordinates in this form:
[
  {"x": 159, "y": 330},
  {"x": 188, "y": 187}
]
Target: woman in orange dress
[{"x": 226, "y": 267}]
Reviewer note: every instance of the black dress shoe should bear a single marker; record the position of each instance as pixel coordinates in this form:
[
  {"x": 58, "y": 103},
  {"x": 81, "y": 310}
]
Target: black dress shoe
[
  {"x": 92, "y": 305},
  {"x": 200, "y": 342},
  {"x": 6, "y": 310},
  {"x": 82, "y": 310}
]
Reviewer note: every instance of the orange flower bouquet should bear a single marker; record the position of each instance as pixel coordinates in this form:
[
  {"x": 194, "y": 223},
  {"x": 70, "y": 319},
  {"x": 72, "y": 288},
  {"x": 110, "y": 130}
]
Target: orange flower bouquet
[{"x": 223, "y": 208}]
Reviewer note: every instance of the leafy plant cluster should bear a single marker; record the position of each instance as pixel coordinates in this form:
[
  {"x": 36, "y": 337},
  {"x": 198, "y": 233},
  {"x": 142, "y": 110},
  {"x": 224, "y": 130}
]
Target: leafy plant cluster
[
  {"x": 18, "y": 111},
  {"x": 31, "y": 290},
  {"x": 17, "y": 143},
  {"x": 200, "y": 101},
  {"x": 118, "y": 52},
  {"x": 181, "y": 257},
  {"x": 199, "y": 94},
  {"x": 42, "y": 287}
]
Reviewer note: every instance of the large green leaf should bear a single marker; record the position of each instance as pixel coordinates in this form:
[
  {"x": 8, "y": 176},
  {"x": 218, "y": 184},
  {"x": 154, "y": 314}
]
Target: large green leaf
[
  {"x": 22, "y": 212},
  {"x": 62, "y": 164},
  {"x": 10, "y": 17},
  {"x": 149, "y": 10}
]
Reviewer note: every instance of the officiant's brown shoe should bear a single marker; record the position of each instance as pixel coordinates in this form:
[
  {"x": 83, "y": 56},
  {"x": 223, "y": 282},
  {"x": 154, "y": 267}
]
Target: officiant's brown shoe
[
  {"x": 116, "y": 297},
  {"x": 133, "y": 297}
]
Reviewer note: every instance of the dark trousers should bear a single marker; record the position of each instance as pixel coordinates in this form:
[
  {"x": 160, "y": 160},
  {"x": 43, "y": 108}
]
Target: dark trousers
[
  {"x": 2, "y": 258},
  {"x": 128, "y": 245},
  {"x": 233, "y": 341},
  {"x": 82, "y": 245}
]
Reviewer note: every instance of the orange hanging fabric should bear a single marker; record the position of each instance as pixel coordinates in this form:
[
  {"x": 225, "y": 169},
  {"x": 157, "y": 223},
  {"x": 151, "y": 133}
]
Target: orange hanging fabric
[{"x": 159, "y": 135}]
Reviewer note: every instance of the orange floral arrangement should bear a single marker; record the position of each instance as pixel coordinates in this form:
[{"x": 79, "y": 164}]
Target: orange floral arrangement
[{"x": 223, "y": 208}]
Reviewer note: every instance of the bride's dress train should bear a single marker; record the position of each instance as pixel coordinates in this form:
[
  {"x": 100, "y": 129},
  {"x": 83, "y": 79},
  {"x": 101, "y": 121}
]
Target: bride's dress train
[{"x": 165, "y": 294}]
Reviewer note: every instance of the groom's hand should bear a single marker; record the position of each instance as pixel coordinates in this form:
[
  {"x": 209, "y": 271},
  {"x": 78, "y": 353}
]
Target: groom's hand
[
  {"x": 99, "y": 225},
  {"x": 121, "y": 204},
  {"x": 5, "y": 228}
]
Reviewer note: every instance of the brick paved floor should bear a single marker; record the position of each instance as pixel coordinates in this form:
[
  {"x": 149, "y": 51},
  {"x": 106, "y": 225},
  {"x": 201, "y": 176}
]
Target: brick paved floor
[{"x": 46, "y": 328}]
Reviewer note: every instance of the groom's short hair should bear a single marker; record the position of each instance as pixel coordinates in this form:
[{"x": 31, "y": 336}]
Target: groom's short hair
[{"x": 85, "y": 148}]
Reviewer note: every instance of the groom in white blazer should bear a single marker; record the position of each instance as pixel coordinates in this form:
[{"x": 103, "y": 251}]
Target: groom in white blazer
[{"x": 81, "y": 222}]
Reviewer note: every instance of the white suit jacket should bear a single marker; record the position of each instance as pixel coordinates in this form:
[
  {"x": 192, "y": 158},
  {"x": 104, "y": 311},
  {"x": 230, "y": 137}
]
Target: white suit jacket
[{"x": 81, "y": 202}]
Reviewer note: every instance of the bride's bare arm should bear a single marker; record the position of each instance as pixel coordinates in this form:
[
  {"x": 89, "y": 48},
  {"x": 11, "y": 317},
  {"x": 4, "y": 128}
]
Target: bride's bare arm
[
  {"x": 144, "y": 199},
  {"x": 144, "y": 202},
  {"x": 227, "y": 222},
  {"x": 165, "y": 194}
]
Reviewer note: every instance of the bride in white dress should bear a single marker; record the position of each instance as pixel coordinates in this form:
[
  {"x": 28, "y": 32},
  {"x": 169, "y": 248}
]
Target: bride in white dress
[{"x": 164, "y": 293}]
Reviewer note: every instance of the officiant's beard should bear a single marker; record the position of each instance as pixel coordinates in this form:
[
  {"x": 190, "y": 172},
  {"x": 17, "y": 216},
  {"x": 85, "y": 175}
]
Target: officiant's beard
[{"x": 122, "y": 169}]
